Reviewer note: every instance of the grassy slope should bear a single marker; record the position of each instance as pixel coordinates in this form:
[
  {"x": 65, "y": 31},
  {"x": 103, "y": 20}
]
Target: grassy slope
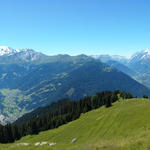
[{"x": 126, "y": 125}]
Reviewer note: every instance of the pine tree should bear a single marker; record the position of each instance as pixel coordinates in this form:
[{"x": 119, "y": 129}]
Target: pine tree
[
  {"x": 108, "y": 102},
  {"x": 144, "y": 96}
]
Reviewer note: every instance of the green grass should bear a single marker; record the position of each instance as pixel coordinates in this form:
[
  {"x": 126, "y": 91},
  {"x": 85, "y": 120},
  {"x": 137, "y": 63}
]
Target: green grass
[{"x": 124, "y": 126}]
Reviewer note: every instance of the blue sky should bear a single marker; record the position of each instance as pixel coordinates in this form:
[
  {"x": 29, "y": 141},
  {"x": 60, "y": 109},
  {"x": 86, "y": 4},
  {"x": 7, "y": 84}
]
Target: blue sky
[{"x": 76, "y": 26}]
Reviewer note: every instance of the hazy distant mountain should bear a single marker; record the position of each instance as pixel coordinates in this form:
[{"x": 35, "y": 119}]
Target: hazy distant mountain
[
  {"x": 137, "y": 66},
  {"x": 140, "y": 61},
  {"x": 105, "y": 58},
  {"x": 125, "y": 69},
  {"x": 116, "y": 61}
]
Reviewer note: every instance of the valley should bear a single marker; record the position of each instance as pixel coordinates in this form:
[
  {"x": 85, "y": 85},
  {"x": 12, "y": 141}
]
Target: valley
[{"x": 11, "y": 104}]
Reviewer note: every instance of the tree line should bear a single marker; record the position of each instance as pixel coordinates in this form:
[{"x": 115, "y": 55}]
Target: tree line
[{"x": 62, "y": 114}]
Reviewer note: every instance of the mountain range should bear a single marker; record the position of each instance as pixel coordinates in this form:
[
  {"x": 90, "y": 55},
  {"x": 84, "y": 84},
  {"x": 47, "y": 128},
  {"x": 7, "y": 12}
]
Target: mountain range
[
  {"x": 29, "y": 79},
  {"x": 136, "y": 66}
]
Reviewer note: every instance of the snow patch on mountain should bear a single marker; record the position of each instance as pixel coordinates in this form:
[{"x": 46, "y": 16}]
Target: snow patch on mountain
[
  {"x": 139, "y": 56},
  {"x": 10, "y": 55},
  {"x": 5, "y": 50},
  {"x": 147, "y": 51}
]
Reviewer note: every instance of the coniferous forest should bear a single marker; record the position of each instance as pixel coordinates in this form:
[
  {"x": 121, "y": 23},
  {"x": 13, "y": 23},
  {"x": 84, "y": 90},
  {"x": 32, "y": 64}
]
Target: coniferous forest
[{"x": 64, "y": 111}]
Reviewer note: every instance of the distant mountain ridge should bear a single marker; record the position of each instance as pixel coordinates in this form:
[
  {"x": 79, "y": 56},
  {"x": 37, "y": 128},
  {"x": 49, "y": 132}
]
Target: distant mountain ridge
[
  {"x": 10, "y": 56},
  {"x": 5, "y": 50},
  {"x": 105, "y": 58},
  {"x": 29, "y": 79},
  {"x": 140, "y": 61},
  {"x": 8, "y": 51},
  {"x": 137, "y": 66},
  {"x": 137, "y": 62}
]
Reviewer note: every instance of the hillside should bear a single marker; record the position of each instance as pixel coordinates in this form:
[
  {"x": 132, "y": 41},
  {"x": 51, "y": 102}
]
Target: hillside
[
  {"x": 123, "y": 68},
  {"x": 81, "y": 80},
  {"x": 125, "y": 126},
  {"x": 87, "y": 79},
  {"x": 25, "y": 87}
]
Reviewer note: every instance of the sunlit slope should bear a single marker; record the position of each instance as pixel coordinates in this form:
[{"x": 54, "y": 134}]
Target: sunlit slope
[{"x": 125, "y": 125}]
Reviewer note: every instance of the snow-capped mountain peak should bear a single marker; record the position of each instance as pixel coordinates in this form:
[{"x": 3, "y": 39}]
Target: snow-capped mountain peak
[
  {"x": 5, "y": 50},
  {"x": 10, "y": 55},
  {"x": 4, "y": 47},
  {"x": 147, "y": 51},
  {"x": 143, "y": 55}
]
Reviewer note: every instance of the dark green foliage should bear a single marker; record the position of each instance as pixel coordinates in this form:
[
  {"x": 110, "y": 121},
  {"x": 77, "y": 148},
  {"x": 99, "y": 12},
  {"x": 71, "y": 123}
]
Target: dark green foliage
[
  {"x": 16, "y": 133},
  {"x": 108, "y": 102},
  {"x": 125, "y": 95},
  {"x": 59, "y": 113},
  {"x": 42, "y": 110},
  {"x": 144, "y": 96}
]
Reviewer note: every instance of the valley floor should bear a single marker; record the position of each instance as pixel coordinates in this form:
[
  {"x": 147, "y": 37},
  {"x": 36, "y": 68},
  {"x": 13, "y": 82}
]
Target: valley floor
[{"x": 124, "y": 126}]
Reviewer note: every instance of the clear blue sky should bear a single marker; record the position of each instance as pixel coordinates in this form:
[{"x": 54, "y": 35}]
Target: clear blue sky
[{"x": 76, "y": 26}]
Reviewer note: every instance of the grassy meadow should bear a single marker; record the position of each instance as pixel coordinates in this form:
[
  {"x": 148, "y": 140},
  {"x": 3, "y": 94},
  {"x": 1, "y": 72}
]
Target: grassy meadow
[{"x": 124, "y": 126}]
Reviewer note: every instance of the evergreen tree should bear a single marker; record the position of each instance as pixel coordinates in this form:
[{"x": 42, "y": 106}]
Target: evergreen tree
[
  {"x": 144, "y": 96},
  {"x": 108, "y": 102}
]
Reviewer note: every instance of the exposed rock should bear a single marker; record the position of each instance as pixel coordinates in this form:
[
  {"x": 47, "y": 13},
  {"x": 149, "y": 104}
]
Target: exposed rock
[
  {"x": 52, "y": 144},
  {"x": 43, "y": 143},
  {"x": 23, "y": 144},
  {"x": 74, "y": 140},
  {"x": 37, "y": 144}
]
